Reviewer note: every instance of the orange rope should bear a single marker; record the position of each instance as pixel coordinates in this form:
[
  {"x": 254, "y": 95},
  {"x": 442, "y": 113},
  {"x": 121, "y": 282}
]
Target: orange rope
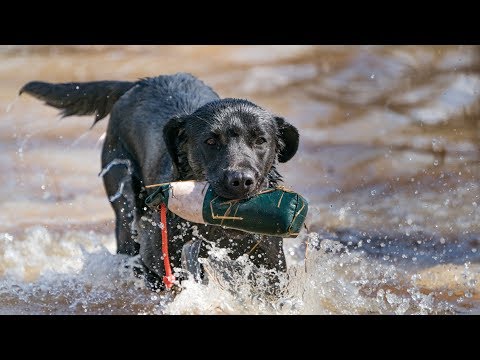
[{"x": 169, "y": 278}]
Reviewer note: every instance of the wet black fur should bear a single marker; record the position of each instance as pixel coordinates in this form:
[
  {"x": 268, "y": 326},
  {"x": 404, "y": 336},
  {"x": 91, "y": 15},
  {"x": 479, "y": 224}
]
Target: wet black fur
[{"x": 158, "y": 127}]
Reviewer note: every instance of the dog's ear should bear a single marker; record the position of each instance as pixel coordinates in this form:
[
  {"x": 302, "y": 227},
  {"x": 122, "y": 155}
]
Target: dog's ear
[
  {"x": 172, "y": 132},
  {"x": 288, "y": 139}
]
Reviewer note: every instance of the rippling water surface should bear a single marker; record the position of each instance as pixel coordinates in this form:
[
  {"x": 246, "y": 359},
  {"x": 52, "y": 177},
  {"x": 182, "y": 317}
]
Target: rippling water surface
[{"x": 389, "y": 160}]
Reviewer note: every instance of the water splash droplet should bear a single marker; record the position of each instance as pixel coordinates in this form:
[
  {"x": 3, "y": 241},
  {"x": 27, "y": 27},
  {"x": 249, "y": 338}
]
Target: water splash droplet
[{"x": 10, "y": 105}]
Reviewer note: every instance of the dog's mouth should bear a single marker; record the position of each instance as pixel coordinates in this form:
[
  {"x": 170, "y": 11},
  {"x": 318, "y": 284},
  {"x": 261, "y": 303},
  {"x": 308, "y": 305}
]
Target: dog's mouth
[{"x": 221, "y": 191}]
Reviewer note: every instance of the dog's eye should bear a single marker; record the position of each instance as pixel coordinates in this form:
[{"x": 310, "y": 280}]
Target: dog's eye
[
  {"x": 260, "y": 141},
  {"x": 211, "y": 142}
]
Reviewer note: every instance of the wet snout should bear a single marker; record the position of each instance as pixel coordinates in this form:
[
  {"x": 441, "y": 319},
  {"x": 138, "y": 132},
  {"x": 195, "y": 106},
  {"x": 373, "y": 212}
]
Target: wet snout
[{"x": 239, "y": 183}]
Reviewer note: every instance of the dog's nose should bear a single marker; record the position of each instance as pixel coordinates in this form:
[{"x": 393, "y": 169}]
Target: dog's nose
[{"x": 239, "y": 182}]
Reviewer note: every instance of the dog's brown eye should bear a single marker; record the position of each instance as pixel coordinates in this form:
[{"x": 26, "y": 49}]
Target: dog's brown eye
[
  {"x": 211, "y": 141},
  {"x": 260, "y": 141}
]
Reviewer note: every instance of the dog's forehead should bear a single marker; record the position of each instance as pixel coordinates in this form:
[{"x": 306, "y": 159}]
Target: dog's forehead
[
  {"x": 244, "y": 124},
  {"x": 241, "y": 119}
]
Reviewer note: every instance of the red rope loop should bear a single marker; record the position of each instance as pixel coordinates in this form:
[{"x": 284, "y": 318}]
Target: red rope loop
[{"x": 169, "y": 278}]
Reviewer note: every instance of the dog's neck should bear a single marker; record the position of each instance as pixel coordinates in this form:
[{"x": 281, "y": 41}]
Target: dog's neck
[
  {"x": 183, "y": 169},
  {"x": 273, "y": 177}
]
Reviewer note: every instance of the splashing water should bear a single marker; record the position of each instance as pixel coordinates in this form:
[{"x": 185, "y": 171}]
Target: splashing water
[
  {"x": 115, "y": 162},
  {"x": 77, "y": 272},
  {"x": 10, "y": 106}
]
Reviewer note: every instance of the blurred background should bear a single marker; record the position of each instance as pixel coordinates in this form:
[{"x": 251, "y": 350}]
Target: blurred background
[{"x": 389, "y": 159}]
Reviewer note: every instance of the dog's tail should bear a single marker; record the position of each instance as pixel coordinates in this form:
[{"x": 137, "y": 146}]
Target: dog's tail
[{"x": 88, "y": 98}]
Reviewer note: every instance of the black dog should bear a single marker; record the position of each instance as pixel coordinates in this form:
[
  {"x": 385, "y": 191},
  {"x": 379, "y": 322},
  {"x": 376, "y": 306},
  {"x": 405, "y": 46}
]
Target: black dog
[{"x": 171, "y": 128}]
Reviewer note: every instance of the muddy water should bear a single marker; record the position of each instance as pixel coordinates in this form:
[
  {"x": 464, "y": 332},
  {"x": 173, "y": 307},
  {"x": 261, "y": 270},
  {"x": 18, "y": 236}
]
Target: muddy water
[{"x": 389, "y": 160}]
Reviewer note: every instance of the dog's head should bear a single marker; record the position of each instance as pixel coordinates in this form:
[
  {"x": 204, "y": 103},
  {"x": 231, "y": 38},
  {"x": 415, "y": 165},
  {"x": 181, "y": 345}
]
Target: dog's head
[{"x": 231, "y": 143}]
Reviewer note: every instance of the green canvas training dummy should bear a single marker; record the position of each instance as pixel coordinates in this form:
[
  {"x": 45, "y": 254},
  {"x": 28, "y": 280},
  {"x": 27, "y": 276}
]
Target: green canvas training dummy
[{"x": 277, "y": 211}]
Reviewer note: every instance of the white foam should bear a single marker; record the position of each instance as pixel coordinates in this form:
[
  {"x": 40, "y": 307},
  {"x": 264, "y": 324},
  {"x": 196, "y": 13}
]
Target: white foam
[{"x": 43, "y": 272}]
